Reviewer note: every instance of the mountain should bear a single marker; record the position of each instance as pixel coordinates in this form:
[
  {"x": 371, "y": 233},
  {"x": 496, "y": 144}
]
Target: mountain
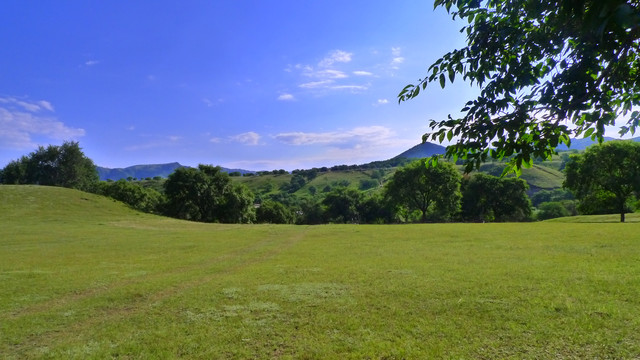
[
  {"x": 138, "y": 171},
  {"x": 582, "y": 144},
  {"x": 423, "y": 150},
  {"x": 148, "y": 171}
]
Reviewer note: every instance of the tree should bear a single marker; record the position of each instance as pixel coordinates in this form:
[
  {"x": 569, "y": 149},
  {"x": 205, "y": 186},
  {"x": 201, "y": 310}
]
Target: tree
[
  {"x": 541, "y": 66},
  {"x": 433, "y": 190},
  {"x": 342, "y": 205},
  {"x": 207, "y": 194},
  {"x": 273, "y": 212},
  {"x": 609, "y": 172},
  {"x": 64, "y": 165},
  {"x": 491, "y": 198},
  {"x": 132, "y": 194},
  {"x": 552, "y": 210}
]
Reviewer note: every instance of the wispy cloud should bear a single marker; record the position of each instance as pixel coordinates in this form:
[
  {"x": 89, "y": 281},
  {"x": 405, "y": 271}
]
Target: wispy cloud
[
  {"x": 330, "y": 74},
  {"x": 212, "y": 103},
  {"x": 355, "y": 146},
  {"x": 382, "y": 102},
  {"x": 336, "y": 56},
  {"x": 286, "y": 97},
  {"x": 247, "y": 138},
  {"x": 362, "y": 73},
  {"x": 21, "y": 120},
  {"x": 355, "y": 135},
  {"x": 317, "y": 84},
  {"x": 91, "y": 62},
  {"x": 397, "y": 59}
]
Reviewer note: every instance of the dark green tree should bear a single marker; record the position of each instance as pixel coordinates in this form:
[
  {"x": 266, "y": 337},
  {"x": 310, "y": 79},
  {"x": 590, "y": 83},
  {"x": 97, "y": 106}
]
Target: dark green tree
[
  {"x": 64, "y": 165},
  {"x": 273, "y": 212},
  {"x": 541, "y": 65},
  {"x": 132, "y": 194},
  {"x": 552, "y": 210},
  {"x": 342, "y": 205},
  {"x": 374, "y": 209},
  {"x": 207, "y": 194},
  {"x": 491, "y": 198},
  {"x": 608, "y": 173},
  {"x": 433, "y": 190}
]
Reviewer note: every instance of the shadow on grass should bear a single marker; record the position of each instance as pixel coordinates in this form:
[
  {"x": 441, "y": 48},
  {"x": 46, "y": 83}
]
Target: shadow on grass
[{"x": 609, "y": 218}]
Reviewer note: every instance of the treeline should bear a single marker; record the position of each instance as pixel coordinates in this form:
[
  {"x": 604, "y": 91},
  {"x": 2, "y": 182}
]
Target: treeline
[{"x": 414, "y": 193}]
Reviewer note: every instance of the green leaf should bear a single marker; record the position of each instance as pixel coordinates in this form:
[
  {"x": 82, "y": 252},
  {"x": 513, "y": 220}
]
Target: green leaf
[
  {"x": 442, "y": 81},
  {"x": 589, "y": 132}
]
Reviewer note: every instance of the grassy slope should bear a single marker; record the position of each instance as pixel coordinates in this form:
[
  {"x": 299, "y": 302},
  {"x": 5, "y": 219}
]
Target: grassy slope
[
  {"x": 83, "y": 277},
  {"x": 257, "y": 184},
  {"x": 538, "y": 177}
]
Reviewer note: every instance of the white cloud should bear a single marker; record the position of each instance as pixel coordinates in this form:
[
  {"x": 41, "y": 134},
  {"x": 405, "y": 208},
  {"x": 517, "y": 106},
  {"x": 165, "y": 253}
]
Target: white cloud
[
  {"x": 334, "y": 57},
  {"x": 382, "y": 101},
  {"x": 330, "y": 74},
  {"x": 286, "y": 97},
  {"x": 358, "y": 145},
  {"x": 358, "y": 134},
  {"x": 350, "y": 87},
  {"x": 248, "y": 138},
  {"x": 30, "y": 106},
  {"x": 397, "y": 57},
  {"x": 362, "y": 73},
  {"x": 21, "y": 120},
  {"x": 91, "y": 62},
  {"x": 46, "y": 105},
  {"x": 316, "y": 84}
]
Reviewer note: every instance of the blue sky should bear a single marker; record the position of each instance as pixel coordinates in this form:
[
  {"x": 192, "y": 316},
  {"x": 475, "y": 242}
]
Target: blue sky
[{"x": 257, "y": 85}]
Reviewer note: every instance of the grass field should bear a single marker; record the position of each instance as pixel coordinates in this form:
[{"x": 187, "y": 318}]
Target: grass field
[{"x": 84, "y": 277}]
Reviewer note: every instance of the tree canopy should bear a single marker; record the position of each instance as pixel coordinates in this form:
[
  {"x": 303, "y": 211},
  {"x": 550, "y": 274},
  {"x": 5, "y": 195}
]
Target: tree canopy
[
  {"x": 207, "y": 194},
  {"x": 607, "y": 174},
  {"x": 64, "y": 165},
  {"x": 433, "y": 190},
  {"x": 491, "y": 198},
  {"x": 548, "y": 71}
]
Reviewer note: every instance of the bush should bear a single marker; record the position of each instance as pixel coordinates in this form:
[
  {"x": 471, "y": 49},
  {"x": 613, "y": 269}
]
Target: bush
[{"x": 552, "y": 210}]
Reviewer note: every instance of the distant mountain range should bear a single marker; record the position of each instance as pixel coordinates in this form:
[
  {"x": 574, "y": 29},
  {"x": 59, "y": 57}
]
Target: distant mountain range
[
  {"x": 423, "y": 150},
  {"x": 147, "y": 171}
]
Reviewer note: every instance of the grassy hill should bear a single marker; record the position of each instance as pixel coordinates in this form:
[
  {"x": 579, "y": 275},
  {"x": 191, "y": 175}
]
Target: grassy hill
[
  {"x": 538, "y": 177},
  {"x": 85, "y": 277}
]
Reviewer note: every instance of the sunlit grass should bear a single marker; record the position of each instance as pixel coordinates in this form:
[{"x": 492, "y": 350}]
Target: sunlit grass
[{"x": 84, "y": 277}]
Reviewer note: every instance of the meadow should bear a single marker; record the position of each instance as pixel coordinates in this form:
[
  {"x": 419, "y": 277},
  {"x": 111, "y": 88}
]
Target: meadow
[{"x": 82, "y": 277}]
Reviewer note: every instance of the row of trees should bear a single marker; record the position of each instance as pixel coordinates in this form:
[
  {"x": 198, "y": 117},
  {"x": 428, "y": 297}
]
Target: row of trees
[{"x": 605, "y": 179}]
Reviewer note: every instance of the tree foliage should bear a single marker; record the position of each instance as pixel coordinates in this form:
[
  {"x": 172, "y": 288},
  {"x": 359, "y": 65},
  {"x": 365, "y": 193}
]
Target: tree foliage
[
  {"x": 342, "y": 205},
  {"x": 548, "y": 70},
  {"x": 433, "y": 190},
  {"x": 64, "y": 165},
  {"x": 605, "y": 176},
  {"x": 273, "y": 212},
  {"x": 132, "y": 194},
  {"x": 207, "y": 194},
  {"x": 491, "y": 198}
]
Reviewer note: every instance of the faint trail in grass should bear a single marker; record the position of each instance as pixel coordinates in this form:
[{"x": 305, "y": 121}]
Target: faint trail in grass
[
  {"x": 239, "y": 259},
  {"x": 65, "y": 300}
]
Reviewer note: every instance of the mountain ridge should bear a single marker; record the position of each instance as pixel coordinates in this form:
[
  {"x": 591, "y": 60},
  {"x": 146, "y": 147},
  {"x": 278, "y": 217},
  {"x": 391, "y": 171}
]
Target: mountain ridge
[{"x": 148, "y": 171}]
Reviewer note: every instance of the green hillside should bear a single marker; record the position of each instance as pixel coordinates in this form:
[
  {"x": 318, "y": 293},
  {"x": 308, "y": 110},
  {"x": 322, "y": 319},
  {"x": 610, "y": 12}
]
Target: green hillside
[
  {"x": 84, "y": 277},
  {"x": 538, "y": 177}
]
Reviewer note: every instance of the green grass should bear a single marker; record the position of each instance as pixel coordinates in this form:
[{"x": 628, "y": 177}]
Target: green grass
[{"x": 84, "y": 277}]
